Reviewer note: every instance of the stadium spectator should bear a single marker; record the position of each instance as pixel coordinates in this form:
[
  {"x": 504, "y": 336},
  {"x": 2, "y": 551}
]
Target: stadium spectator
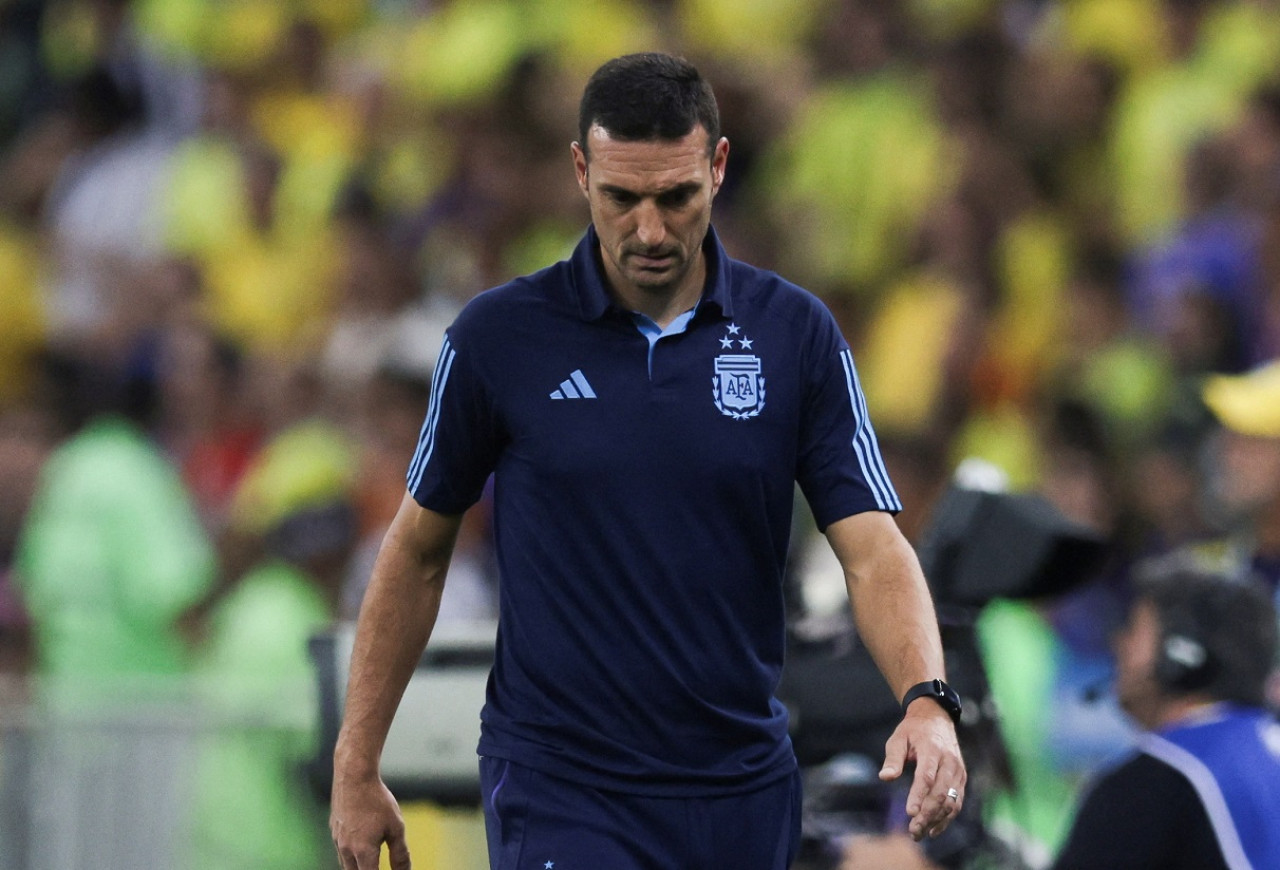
[{"x": 111, "y": 551}]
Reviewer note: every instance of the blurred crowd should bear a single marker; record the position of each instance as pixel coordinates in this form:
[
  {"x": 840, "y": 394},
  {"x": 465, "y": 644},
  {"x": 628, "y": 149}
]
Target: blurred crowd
[{"x": 232, "y": 233}]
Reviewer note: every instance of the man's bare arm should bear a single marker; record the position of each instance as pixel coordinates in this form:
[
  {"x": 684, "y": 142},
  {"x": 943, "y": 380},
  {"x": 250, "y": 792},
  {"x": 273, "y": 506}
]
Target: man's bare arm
[
  {"x": 895, "y": 617},
  {"x": 396, "y": 619}
]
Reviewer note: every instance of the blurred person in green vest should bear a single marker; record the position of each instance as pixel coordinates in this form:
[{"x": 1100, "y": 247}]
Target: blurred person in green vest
[
  {"x": 27, "y": 437},
  {"x": 109, "y": 557},
  {"x": 253, "y": 807},
  {"x": 111, "y": 553}
]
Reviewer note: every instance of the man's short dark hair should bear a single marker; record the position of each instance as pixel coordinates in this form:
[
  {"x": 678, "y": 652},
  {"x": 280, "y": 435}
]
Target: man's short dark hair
[
  {"x": 1233, "y": 619},
  {"x": 643, "y": 97}
]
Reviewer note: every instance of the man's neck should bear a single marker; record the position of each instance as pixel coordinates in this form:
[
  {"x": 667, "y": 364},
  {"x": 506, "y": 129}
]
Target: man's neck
[
  {"x": 1184, "y": 709},
  {"x": 661, "y": 305}
]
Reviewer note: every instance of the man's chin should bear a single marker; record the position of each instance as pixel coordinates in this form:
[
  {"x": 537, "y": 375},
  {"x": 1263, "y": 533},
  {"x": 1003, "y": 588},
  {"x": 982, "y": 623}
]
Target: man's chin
[{"x": 653, "y": 281}]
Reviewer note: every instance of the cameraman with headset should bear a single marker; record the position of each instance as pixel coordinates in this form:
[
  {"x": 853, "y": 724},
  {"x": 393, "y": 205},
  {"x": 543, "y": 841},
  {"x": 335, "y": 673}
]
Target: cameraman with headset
[{"x": 1202, "y": 790}]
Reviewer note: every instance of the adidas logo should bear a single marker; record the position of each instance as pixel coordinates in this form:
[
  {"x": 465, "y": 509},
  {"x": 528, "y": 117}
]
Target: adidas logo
[{"x": 574, "y": 387}]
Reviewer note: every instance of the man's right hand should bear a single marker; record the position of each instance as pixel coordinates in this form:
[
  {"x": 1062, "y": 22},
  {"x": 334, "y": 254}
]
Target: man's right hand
[
  {"x": 396, "y": 617},
  {"x": 363, "y": 816}
]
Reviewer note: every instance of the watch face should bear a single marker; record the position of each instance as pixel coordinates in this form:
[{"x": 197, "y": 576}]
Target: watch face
[{"x": 950, "y": 695}]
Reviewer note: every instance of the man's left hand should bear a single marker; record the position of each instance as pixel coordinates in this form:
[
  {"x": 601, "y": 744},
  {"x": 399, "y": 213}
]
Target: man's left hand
[{"x": 927, "y": 736}]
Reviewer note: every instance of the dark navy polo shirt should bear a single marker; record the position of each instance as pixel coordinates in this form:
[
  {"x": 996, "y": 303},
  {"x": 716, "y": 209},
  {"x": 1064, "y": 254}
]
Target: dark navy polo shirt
[{"x": 642, "y": 509}]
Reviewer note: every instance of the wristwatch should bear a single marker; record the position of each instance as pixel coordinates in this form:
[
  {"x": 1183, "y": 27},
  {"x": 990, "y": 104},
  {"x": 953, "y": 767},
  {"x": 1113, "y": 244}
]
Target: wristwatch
[{"x": 938, "y": 691}]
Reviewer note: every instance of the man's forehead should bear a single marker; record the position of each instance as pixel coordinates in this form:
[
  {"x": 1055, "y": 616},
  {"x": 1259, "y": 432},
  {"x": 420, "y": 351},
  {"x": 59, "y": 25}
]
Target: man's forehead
[
  {"x": 650, "y": 164},
  {"x": 697, "y": 141}
]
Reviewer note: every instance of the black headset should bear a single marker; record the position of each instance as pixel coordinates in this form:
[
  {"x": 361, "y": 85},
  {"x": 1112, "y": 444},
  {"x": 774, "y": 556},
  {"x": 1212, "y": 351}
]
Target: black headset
[
  {"x": 1184, "y": 661},
  {"x": 1218, "y": 633},
  {"x": 1184, "y": 664}
]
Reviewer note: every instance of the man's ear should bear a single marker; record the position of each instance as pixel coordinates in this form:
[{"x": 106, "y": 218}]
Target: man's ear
[
  {"x": 580, "y": 167},
  {"x": 719, "y": 160}
]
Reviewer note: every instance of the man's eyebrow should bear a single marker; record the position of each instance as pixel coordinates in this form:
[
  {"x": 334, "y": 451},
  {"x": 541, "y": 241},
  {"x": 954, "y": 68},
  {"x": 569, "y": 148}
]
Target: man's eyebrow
[
  {"x": 613, "y": 188},
  {"x": 682, "y": 187}
]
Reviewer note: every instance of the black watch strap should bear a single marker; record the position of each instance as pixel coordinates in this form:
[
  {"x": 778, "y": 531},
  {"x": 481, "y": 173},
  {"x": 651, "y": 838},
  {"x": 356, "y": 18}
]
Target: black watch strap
[{"x": 940, "y": 692}]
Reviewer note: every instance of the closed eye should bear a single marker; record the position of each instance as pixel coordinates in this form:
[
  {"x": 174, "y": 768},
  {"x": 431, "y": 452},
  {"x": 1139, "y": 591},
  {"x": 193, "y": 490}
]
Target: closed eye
[
  {"x": 618, "y": 196},
  {"x": 677, "y": 197}
]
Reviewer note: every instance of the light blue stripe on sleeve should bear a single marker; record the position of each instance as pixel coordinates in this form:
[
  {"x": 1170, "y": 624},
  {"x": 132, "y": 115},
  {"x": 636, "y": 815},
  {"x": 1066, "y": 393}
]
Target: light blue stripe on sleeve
[
  {"x": 864, "y": 442},
  {"x": 869, "y": 439},
  {"x": 427, "y": 438}
]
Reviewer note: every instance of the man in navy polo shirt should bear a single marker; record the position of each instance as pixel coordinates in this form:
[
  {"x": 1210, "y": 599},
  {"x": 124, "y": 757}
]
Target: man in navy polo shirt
[{"x": 646, "y": 408}]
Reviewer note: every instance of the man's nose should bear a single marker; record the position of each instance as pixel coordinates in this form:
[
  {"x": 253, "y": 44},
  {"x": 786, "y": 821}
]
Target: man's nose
[{"x": 651, "y": 229}]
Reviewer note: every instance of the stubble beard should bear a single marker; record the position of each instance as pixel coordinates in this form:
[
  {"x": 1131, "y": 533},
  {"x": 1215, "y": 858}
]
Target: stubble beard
[{"x": 656, "y": 282}]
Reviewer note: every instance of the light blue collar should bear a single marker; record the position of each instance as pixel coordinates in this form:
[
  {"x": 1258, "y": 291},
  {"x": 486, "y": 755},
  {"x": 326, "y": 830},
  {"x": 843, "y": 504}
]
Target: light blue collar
[{"x": 650, "y": 329}]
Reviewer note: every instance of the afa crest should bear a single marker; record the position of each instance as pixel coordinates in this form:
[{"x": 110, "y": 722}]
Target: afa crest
[{"x": 737, "y": 386}]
